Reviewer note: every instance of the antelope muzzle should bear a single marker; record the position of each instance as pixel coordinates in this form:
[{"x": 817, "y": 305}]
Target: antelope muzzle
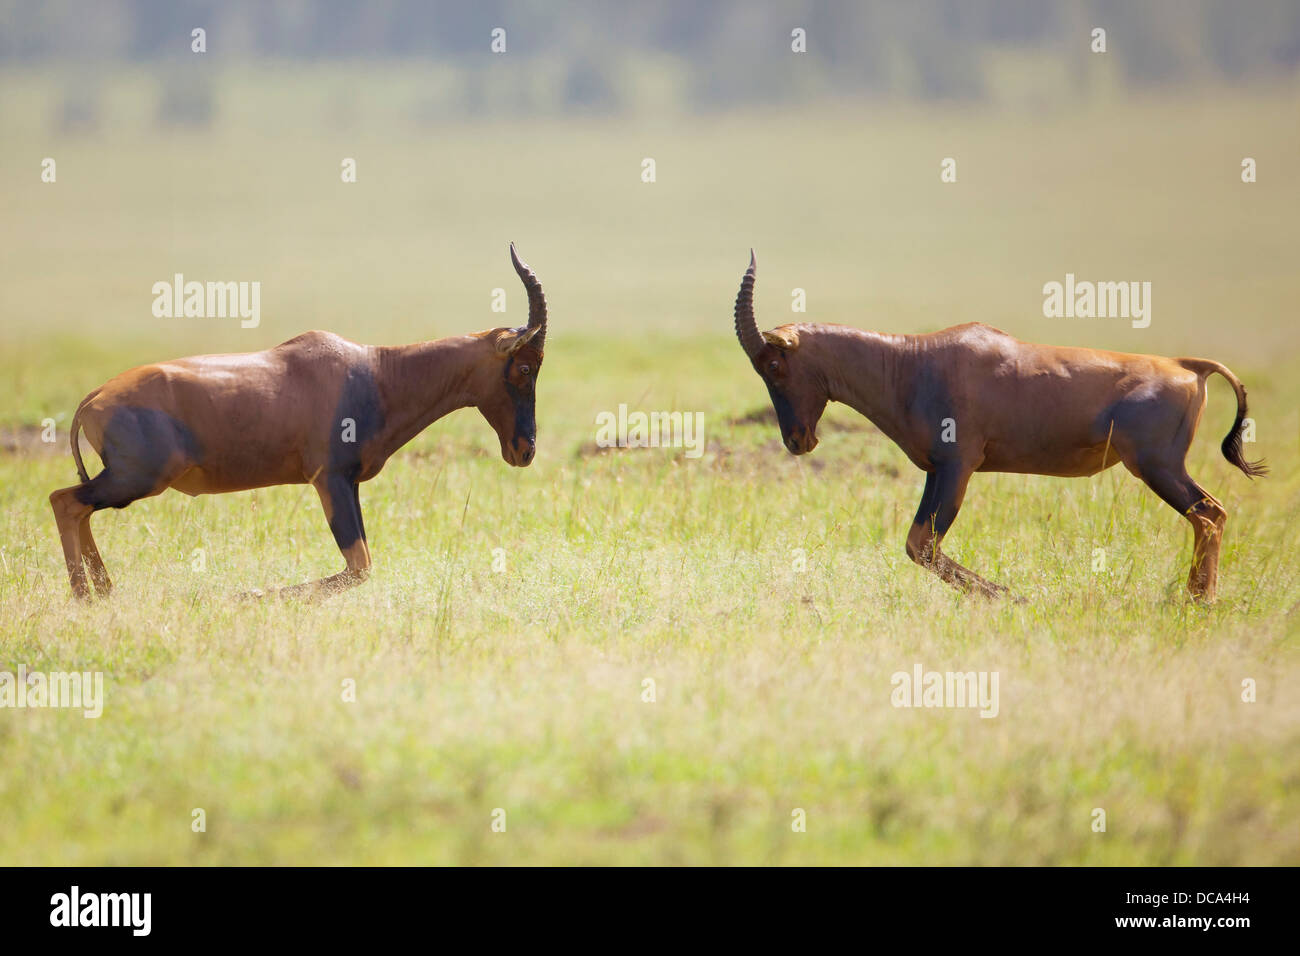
[
  {"x": 800, "y": 440},
  {"x": 519, "y": 451},
  {"x": 798, "y": 436}
]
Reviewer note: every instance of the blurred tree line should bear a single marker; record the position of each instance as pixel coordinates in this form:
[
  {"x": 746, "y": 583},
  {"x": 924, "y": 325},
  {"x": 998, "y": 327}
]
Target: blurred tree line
[{"x": 581, "y": 55}]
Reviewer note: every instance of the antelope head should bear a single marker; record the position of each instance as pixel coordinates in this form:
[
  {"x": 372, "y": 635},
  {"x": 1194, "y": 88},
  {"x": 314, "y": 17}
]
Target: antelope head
[
  {"x": 798, "y": 389},
  {"x": 510, "y": 405}
]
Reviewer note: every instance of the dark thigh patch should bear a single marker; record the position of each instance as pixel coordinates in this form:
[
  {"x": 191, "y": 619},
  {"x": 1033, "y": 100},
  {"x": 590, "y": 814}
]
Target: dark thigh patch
[
  {"x": 1149, "y": 419},
  {"x": 147, "y": 442},
  {"x": 142, "y": 448}
]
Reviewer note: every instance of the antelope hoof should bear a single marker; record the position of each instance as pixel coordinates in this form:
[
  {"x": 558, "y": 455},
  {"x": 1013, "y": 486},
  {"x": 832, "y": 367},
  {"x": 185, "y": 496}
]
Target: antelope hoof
[{"x": 996, "y": 592}]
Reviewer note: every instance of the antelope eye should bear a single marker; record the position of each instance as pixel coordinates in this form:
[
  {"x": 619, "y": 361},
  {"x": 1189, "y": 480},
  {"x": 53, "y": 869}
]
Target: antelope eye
[
  {"x": 525, "y": 370},
  {"x": 773, "y": 365}
]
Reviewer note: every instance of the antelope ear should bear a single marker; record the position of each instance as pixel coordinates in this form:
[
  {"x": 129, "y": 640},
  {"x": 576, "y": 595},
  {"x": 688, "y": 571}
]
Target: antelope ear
[
  {"x": 514, "y": 339},
  {"x": 785, "y": 339}
]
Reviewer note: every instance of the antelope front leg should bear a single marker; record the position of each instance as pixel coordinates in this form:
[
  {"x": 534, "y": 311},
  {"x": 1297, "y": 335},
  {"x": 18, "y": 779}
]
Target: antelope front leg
[
  {"x": 341, "y": 499},
  {"x": 945, "y": 487}
]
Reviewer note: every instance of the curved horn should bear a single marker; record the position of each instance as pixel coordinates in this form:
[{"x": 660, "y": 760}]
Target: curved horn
[
  {"x": 746, "y": 327},
  {"x": 536, "y": 299}
]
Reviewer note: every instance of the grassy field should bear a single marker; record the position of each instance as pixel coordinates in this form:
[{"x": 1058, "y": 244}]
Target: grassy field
[{"x": 522, "y": 690}]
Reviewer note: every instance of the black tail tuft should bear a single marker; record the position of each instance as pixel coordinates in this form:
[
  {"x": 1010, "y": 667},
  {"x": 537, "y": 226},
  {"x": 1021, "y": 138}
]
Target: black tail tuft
[{"x": 1232, "y": 448}]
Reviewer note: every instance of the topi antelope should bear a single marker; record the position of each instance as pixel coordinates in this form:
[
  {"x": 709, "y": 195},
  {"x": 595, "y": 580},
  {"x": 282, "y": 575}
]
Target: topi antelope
[
  {"x": 972, "y": 398},
  {"x": 316, "y": 410}
]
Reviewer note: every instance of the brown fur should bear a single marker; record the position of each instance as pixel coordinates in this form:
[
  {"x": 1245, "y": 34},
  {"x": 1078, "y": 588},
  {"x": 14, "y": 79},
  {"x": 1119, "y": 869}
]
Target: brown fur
[
  {"x": 1014, "y": 407},
  {"x": 317, "y": 409}
]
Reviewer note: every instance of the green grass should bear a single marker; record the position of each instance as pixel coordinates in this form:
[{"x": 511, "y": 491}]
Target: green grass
[{"x": 522, "y": 690}]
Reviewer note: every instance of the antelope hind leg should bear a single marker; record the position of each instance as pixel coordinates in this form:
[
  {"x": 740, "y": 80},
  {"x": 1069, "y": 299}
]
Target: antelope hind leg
[
  {"x": 69, "y": 515},
  {"x": 1207, "y": 517},
  {"x": 94, "y": 563}
]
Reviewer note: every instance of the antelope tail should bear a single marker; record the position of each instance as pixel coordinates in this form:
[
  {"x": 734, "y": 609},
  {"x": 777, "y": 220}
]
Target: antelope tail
[
  {"x": 73, "y": 432},
  {"x": 1232, "y": 441}
]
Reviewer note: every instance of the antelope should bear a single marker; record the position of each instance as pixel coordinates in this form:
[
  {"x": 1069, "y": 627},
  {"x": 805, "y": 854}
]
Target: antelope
[
  {"x": 317, "y": 409},
  {"x": 972, "y": 398}
]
